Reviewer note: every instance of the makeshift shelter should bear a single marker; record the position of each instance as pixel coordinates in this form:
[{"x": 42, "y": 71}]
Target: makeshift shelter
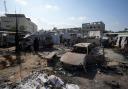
[{"x": 122, "y": 41}]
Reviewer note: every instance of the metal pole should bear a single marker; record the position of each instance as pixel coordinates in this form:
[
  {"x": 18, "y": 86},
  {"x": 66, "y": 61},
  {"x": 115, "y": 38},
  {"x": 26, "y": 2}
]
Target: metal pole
[
  {"x": 0, "y": 34},
  {"x": 87, "y": 50},
  {"x": 17, "y": 50},
  {"x": 1, "y": 43},
  {"x": 17, "y": 37}
]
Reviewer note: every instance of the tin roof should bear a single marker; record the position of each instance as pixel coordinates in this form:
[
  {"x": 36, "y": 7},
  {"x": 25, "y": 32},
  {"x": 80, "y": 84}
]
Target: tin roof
[
  {"x": 73, "y": 58},
  {"x": 82, "y": 44}
]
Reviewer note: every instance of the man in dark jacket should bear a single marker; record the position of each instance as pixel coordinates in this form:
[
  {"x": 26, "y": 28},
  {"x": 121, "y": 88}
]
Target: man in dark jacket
[{"x": 36, "y": 45}]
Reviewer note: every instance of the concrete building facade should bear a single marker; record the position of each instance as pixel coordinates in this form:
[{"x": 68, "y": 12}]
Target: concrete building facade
[
  {"x": 8, "y": 23},
  {"x": 94, "y": 29}
]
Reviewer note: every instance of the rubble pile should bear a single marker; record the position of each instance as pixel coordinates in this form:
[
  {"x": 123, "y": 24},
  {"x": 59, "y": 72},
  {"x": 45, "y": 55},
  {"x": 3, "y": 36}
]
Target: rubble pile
[{"x": 40, "y": 80}]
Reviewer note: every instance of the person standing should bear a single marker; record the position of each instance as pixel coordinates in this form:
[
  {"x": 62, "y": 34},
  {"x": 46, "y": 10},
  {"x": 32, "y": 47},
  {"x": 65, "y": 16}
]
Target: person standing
[{"x": 36, "y": 45}]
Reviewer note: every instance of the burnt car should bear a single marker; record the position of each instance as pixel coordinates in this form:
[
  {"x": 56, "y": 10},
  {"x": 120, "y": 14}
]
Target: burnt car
[{"x": 82, "y": 55}]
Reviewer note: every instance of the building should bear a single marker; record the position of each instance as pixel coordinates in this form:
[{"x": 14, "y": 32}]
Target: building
[
  {"x": 69, "y": 30},
  {"x": 8, "y": 28},
  {"x": 8, "y": 23},
  {"x": 94, "y": 29}
]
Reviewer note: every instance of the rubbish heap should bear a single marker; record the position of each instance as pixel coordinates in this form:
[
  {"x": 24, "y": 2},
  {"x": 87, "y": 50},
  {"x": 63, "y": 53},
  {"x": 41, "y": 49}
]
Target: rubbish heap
[{"x": 38, "y": 80}]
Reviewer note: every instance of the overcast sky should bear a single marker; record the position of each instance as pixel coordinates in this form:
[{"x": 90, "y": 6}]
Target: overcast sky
[{"x": 71, "y": 13}]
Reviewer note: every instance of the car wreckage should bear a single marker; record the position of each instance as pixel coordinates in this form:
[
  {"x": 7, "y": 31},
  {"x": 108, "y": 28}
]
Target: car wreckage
[{"x": 83, "y": 55}]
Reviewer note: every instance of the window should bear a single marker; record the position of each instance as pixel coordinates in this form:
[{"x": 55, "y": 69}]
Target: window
[
  {"x": 6, "y": 21},
  {"x": 7, "y": 25}
]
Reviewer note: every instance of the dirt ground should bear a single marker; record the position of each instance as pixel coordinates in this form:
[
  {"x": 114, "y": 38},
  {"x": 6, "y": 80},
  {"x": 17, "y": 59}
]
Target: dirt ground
[
  {"x": 31, "y": 62},
  {"x": 103, "y": 81},
  {"x": 95, "y": 79},
  {"x": 114, "y": 55}
]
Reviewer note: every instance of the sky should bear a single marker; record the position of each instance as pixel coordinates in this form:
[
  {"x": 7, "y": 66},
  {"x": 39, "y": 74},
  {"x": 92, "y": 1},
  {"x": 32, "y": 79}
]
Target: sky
[{"x": 71, "y": 13}]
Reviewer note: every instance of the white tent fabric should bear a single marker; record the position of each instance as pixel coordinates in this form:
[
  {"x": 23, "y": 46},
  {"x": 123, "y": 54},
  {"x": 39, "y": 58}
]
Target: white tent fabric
[
  {"x": 123, "y": 42},
  {"x": 117, "y": 42}
]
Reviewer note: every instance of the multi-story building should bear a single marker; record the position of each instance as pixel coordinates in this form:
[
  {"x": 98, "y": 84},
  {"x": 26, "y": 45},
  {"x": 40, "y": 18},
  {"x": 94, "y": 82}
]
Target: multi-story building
[
  {"x": 8, "y": 23},
  {"x": 94, "y": 29},
  {"x": 8, "y": 27}
]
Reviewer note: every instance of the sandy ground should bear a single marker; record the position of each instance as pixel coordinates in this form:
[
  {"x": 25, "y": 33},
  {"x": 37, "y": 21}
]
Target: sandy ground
[
  {"x": 113, "y": 55},
  {"x": 31, "y": 63}
]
